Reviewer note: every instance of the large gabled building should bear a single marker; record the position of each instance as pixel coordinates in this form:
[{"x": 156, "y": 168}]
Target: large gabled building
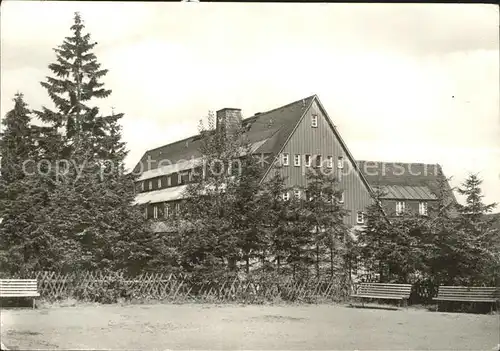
[{"x": 300, "y": 134}]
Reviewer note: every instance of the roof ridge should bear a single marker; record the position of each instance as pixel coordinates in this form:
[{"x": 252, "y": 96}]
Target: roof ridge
[
  {"x": 174, "y": 142},
  {"x": 287, "y": 105},
  {"x": 243, "y": 120}
]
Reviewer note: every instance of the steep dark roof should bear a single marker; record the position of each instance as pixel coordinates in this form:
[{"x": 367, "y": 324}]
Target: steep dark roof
[
  {"x": 405, "y": 176},
  {"x": 274, "y": 125}
]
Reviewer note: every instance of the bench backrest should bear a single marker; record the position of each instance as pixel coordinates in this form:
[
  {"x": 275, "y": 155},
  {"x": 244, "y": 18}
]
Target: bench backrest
[
  {"x": 480, "y": 292},
  {"x": 383, "y": 289},
  {"x": 14, "y": 287}
]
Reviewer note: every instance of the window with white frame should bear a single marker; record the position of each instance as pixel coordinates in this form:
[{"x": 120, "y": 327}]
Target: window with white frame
[
  {"x": 146, "y": 211},
  {"x": 307, "y": 160},
  {"x": 360, "y": 217},
  {"x": 286, "y": 196},
  {"x": 340, "y": 162},
  {"x": 166, "y": 211},
  {"x": 155, "y": 211},
  {"x": 177, "y": 207},
  {"x": 341, "y": 197},
  {"x": 296, "y": 193},
  {"x": 318, "y": 160},
  {"x": 169, "y": 181},
  {"x": 285, "y": 161},
  {"x": 400, "y": 208},
  {"x": 314, "y": 121},
  {"x": 150, "y": 186},
  {"x": 329, "y": 161},
  {"x": 296, "y": 160},
  {"x": 142, "y": 185},
  {"x": 159, "y": 183},
  {"x": 422, "y": 208}
]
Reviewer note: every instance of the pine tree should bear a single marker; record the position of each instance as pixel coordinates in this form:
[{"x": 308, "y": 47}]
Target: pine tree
[
  {"x": 90, "y": 209},
  {"x": 22, "y": 194},
  {"x": 74, "y": 84},
  {"x": 283, "y": 230},
  {"x": 16, "y": 143}
]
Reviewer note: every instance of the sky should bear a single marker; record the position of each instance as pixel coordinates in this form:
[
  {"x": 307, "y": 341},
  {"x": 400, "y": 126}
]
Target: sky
[{"x": 402, "y": 82}]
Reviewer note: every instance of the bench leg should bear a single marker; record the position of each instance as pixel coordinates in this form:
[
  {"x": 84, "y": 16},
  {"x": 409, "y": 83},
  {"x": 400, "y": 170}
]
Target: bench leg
[{"x": 33, "y": 303}]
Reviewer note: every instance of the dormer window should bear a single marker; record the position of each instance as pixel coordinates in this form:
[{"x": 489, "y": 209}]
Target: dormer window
[{"x": 314, "y": 121}]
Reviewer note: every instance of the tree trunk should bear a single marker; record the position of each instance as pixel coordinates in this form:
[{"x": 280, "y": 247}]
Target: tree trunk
[
  {"x": 317, "y": 261},
  {"x": 331, "y": 260}
]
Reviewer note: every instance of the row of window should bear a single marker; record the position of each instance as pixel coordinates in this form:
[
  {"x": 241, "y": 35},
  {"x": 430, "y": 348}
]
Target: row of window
[
  {"x": 166, "y": 210},
  {"x": 318, "y": 160},
  {"x": 182, "y": 178},
  {"x": 297, "y": 193},
  {"x": 360, "y": 217},
  {"x": 400, "y": 208},
  {"x": 187, "y": 176}
]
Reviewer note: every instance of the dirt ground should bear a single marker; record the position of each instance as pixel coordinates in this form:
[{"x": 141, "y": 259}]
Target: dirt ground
[{"x": 313, "y": 327}]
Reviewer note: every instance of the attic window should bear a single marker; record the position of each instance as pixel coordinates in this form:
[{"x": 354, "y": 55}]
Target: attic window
[{"x": 314, "y": 121}]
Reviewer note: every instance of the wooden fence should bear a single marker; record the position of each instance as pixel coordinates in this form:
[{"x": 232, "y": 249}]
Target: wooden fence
[{"x": 111, "y": 287}]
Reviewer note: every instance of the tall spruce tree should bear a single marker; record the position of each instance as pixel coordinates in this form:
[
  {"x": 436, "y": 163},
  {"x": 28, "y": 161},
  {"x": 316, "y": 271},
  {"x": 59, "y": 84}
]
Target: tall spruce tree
[
  {"x": 90, "y": 209},
  {"x": 23, "y": 194}
]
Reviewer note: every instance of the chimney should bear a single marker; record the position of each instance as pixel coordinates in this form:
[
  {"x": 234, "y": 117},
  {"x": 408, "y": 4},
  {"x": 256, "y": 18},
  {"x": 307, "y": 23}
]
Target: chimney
[{"x": 228, "y": 120}]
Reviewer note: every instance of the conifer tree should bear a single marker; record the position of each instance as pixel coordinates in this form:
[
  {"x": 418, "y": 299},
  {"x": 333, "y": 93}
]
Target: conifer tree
[
  {"x": 323, "y": 215},
  {"x": 91, "y": 205},
  {"x": 22, "y": 194}
]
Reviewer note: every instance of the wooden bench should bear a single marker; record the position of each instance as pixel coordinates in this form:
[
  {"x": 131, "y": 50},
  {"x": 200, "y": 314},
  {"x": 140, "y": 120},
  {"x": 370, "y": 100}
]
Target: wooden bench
[
  {"x": 383, "y": 291},
  {"x": 19, "y": 288},
  {"x": 468, "y": 294}
]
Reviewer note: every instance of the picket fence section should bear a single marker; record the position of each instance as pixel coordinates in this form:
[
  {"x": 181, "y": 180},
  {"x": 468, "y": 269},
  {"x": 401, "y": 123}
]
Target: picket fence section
[{"x": 111, "y": 287}]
